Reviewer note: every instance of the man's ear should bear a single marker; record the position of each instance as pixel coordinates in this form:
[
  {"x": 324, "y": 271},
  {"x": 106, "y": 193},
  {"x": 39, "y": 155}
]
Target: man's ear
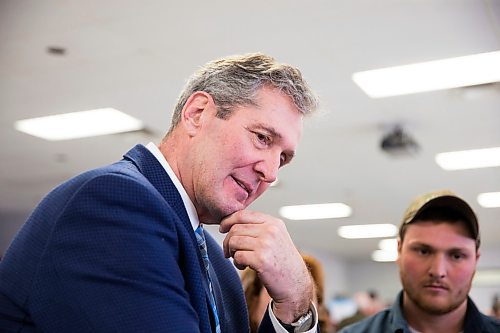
[
  {"x": 199, "y": 104},
  {"x": 399, "y": 246}
]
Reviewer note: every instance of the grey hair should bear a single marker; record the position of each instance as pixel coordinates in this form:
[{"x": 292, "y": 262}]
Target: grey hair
[{"x": 235, "y": 80}]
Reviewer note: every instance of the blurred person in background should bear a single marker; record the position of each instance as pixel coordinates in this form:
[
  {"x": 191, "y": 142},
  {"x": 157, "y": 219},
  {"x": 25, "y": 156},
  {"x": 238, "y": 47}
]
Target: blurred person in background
[
  {"x": 258, "y": 298},
  {"x": 438, "y": 250},
  {"x": 495, "y": 307},
  {"x": 367, "y": 303}
]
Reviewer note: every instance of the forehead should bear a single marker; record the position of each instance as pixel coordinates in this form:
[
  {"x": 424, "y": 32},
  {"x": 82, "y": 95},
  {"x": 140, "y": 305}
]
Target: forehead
[
  {"x": 439, "y": 234},
  {"x": 273, "y": 110}
]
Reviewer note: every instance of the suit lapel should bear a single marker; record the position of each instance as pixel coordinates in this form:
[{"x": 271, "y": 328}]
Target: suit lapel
[{"x": 150, "y": 168}]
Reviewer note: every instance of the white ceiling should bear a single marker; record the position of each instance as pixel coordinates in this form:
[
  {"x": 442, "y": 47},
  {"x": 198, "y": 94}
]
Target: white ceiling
[{"x": 135, "y": 56}]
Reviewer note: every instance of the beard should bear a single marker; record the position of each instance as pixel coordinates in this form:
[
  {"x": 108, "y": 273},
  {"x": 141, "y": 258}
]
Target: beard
[{"x": 414, "y": 292}]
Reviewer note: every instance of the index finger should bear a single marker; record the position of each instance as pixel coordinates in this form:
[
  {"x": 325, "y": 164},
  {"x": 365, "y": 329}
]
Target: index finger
[{"x": 241, "y": 217}]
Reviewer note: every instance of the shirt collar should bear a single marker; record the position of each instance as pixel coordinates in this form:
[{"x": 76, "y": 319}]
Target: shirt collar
[
  {"x": 188, "y": 204},
  {"x": 398, "y": 320}
]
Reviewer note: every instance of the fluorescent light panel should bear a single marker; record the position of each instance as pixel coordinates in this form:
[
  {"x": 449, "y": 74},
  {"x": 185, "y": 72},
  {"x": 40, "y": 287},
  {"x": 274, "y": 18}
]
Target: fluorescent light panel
[
  {"x": 489, "y": 199},
  {"x": 432, "y": 75},
  {"x": 469, "y": 159},
  {"x": 384, "y": 256},
  {"x": 367, "y": 231},
  {"x": 315, "y": 211},
  {"x": 389, "y": 244},
  {"x": 388, "y": 250},
  {"x": 79, "y": 124}
]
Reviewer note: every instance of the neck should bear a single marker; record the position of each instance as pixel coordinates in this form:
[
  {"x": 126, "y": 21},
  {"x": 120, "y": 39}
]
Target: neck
[
  {"x": 177, "y": 153},
  {"x": 172, "y": 149},
  {"x": 425, "y": 322}
]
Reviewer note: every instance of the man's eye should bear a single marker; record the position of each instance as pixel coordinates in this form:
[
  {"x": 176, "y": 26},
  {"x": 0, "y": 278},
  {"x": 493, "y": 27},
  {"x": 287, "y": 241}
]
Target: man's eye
[
  {"x": 457, "y": 256},
  {"x": 264, "y": 139},
  {"x": 423, "y": 251}
]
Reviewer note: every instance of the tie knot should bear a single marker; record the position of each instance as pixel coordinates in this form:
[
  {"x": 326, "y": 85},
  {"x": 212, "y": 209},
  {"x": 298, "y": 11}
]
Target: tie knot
[
  {"x": 200, "y": 236},
  {"x": 202, "y": 245}
]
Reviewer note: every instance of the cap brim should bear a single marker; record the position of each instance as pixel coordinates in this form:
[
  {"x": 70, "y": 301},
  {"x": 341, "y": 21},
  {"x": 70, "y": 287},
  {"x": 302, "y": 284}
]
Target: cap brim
[{"x": 453, "y": 202}]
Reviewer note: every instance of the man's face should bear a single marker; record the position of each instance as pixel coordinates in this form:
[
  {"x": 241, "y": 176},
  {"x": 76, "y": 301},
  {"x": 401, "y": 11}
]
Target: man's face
[
  {"x": 236, "y": 159},
  {"x": 437, "y": 261}
]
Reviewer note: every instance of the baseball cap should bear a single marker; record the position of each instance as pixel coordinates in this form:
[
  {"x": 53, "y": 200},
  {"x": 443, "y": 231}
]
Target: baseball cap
[{"x": 446, "y": 199}]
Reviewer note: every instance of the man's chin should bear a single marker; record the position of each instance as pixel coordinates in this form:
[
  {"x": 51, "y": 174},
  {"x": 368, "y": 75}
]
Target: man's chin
[
  {"x": 230, "y": 212},
  {"x": 235, "y": 206},
  {"x": 437, "y": 308},
  {"x": 218, "y": 215}
]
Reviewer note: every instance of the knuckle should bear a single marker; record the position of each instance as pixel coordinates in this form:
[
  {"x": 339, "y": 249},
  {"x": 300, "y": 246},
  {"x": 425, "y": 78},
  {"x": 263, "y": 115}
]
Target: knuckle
[
  {"x": 273, "y": 229},
  {"x": 237, "y": 228},
  {"x": 266, "y": 243},
  {"x": 233, "y": 242},
  {"x": 239, "y": 257},
  {"x": 260, "y": 258}
]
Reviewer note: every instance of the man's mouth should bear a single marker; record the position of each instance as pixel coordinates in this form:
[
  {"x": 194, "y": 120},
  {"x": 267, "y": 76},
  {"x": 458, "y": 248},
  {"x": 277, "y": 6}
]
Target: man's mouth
[
  {"x": 243, "y": 185},
  {"x": 436, "y": 286}
]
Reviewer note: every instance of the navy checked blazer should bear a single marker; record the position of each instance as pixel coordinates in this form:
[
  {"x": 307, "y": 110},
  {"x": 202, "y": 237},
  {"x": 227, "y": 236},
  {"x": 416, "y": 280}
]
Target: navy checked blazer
[{"x": 113, "y": 250}]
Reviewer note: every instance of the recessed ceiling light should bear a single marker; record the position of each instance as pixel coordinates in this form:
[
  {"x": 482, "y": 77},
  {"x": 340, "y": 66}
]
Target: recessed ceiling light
[
  {"x": 367, "y": 231},
  {"x": 384, "y": 256},
  {"x": 489, "y": 199},
  {"x": 316, "y": 211},
  {"x": 469, "y": 159},
  {"x": 79, "y": 124},
  {"x": 432, "y": 75}
]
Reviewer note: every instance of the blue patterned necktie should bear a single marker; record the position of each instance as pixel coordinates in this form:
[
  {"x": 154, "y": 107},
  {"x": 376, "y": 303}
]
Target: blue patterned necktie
[{"x": 202, "y": 245}]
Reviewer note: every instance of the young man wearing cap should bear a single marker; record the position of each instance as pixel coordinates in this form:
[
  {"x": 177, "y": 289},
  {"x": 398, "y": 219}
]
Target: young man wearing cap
[{"x": 438, "y": 250}]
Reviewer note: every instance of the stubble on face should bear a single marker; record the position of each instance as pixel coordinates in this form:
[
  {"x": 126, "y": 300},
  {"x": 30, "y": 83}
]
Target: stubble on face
[
  {"x": 230, "y": 158},
  {"x": 445, "y": 289},
  {"x": 227, "y": 153},
  {"x": 413, "y": 291}
]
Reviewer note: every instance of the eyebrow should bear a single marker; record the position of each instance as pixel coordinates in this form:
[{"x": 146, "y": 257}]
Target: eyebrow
[
  {"x": 428, "y": 246},
  {"x": 269, "y": 129}
]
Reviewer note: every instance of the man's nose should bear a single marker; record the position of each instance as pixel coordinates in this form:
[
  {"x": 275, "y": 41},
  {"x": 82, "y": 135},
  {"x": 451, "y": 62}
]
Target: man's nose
[
  {"x": 268, "y": 167},
  {"x": 438, "y": 266}
]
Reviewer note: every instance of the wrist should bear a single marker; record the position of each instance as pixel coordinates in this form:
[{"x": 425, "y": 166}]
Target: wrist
[
  {"x": 289, "y": 312},
  {"x": 303, "y": 323}
]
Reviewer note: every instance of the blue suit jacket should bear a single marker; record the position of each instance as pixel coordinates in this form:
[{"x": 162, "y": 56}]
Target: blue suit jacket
[{"x": 113, "y": 250}]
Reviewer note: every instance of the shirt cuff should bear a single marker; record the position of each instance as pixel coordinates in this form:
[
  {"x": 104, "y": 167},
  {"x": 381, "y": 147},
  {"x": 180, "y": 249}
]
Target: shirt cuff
[{"x": 280, "y": 329}]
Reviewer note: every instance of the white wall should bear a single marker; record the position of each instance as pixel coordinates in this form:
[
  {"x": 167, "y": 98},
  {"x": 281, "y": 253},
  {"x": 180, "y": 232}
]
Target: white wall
[
  {"x": 10, "y": 223},
  {"x": 483, "y": 293},
  {"x": 382, "y": 277},
  {"x": 335, "y": 273}
]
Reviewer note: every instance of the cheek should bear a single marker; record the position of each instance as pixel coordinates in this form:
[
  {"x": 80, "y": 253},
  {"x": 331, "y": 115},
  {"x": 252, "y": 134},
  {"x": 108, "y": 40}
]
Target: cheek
[
  {"x": 463, "y": 274},
  {"x": 412, "y": 267}
]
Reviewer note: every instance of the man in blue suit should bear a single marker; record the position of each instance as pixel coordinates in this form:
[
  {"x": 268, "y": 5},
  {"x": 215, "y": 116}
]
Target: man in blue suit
[{"x": 120, "y": 248}]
